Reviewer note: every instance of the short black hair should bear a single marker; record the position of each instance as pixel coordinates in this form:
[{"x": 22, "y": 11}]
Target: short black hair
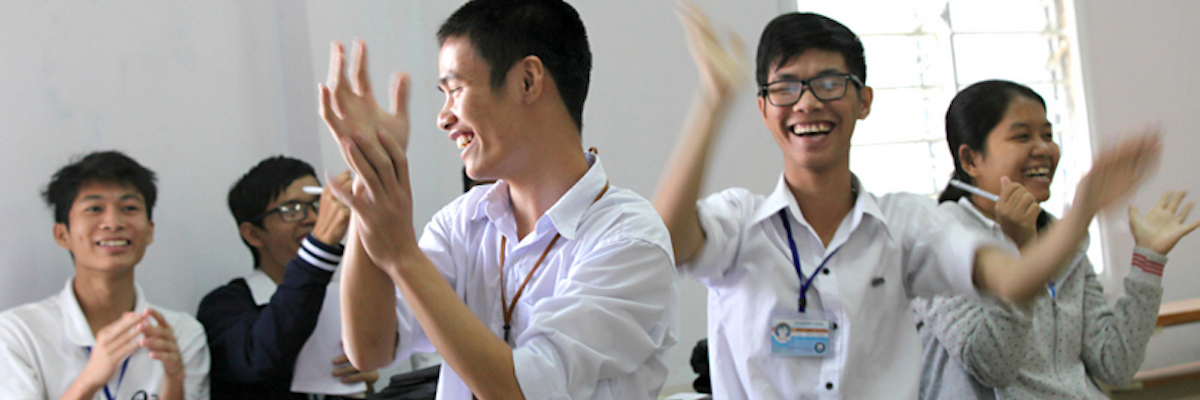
[
  {"x": 102, "y": 166},
  {"x": 249, "y": 197},
  {"x": 790, "y": 35},
  {"x": 505, "y": 31}
]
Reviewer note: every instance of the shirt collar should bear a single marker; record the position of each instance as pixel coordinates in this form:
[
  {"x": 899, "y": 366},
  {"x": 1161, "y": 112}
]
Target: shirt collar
[
  {"x": 262, "y": 287},
  {"x": 78, "y": 332},
  {"x": 966, "y": 203},
  {"x": 563, "y": 216},
  {"x": 864, "y": 205}
]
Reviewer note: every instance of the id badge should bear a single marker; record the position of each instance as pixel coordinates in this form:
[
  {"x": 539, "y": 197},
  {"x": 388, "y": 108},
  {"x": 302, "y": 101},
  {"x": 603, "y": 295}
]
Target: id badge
[{"x": 796, "y": 337}]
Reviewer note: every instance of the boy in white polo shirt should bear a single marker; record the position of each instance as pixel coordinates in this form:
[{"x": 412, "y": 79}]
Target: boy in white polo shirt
[
  {"x": 809, "y": 287},
  {"x": 99, "y": 338}
]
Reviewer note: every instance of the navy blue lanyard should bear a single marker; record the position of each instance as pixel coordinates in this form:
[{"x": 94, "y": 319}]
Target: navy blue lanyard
[
  {"x": 120, "y": 378},
  {"x": 805, "y": 284}
]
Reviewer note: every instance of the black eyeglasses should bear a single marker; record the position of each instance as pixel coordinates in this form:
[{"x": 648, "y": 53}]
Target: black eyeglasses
[
  {"x": 292, "y": 211},
  {"x": 826, "y": 88}
]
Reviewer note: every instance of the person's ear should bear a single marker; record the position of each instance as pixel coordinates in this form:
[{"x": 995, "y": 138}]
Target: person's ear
[
  {"x": 62, "y": 236},
  {"x": 865, "y": 96},
  {"x": 150, "y": 233},
  {"x": 969, "y": 160},
  {"x": 252, "y": 234},
  {"x": 533, "y": 78}
]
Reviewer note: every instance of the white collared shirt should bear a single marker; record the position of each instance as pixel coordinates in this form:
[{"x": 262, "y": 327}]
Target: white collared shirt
[
  {"x": 889, "y": 249},
  {"x": 594, "y": 321},
  {"x": 43, "y": 348}
]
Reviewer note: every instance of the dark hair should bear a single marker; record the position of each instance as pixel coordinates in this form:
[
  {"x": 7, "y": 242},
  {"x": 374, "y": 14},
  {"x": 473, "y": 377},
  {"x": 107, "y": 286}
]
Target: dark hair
[
  {"x": 249, "y": 197},
  {"x": 505, "y": 31},
  {"x": 101, "y": 166},
  {"x": 973, "y": 114},
  {"x": 790, "y": 35}
]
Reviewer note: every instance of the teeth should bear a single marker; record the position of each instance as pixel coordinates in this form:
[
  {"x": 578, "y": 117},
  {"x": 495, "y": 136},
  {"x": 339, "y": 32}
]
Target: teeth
[
  {"x": 113, "y": 243},
  {"x": 817, "y": 128},
  {"x": 463, "y": 141},
  {"x": 1037, "y": 172}
]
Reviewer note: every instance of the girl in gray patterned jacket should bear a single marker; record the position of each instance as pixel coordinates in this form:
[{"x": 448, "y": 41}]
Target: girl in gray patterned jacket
[{"x": 1059, "y": 344}]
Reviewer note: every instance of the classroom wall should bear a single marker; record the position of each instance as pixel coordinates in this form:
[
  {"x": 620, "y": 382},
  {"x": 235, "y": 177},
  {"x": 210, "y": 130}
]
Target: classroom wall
[{"x": 201, "y": 92}]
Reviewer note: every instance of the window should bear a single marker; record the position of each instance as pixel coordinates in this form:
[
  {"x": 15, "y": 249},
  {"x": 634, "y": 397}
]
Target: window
[{"x": 921, "y": 52}]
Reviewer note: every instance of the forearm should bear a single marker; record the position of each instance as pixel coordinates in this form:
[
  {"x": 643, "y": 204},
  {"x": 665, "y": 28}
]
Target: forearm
[
  {"x": 478, "y": 356},
  {"x": 172, "y": 389},
  {"x": 81, "y": 388},
  {"x": 249, "y": 344},
  {"x": 368, "y": 301},
  {"x": 679, "y": 187},
  {"x": 1019, "y": 279},
  {"x": 1116, "y": 335}
]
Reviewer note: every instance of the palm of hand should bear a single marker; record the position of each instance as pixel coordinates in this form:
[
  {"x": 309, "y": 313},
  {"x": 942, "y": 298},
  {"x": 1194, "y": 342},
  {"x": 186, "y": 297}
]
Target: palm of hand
[
  {"x": 1163, "y": 225},
  {"x": 722, "y": 69}
]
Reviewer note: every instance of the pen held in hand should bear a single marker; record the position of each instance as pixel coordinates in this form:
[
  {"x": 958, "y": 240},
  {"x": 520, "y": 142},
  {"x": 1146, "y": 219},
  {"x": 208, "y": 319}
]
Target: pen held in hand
[{"x": 965, "y": 186}]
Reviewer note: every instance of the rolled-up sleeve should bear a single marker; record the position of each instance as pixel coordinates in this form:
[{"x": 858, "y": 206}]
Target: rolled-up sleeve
[{"x": 615, "y": 313}]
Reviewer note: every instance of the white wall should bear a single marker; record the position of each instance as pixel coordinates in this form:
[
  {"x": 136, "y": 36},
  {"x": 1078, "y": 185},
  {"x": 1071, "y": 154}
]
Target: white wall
[
  {"x": 194, "y": 91},
  {"x": 1140, "y": 62}
]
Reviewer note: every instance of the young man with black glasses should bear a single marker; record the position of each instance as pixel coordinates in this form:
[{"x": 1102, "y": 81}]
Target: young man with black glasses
[
  {"x": 257, "y": 325},
  {"x": 809, "y": 287}
]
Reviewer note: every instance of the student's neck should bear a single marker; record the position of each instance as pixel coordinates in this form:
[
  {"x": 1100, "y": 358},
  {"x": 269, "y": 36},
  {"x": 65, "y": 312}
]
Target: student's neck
[
  {"x": 824, "y": 197},
  {"x": 984, "y": 206},
  {"x": 543, "y": 180},
  {"x": 273, "y": 271},
  {"x": 104, "y": 297}
]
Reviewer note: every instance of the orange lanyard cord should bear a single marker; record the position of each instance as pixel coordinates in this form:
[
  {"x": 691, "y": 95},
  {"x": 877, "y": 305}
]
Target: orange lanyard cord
[{"x": 504, "y": 305}]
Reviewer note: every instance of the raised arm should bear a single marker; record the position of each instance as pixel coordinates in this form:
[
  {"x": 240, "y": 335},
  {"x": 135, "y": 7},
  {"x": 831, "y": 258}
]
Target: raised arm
[
  {"x": 1114, "y": 174},
  {"x": 722, "y": 72},
  {"x": 367, "y": 296},
  {"x": 1115, "y": 335},
  {"x": 383, "y": 243}
]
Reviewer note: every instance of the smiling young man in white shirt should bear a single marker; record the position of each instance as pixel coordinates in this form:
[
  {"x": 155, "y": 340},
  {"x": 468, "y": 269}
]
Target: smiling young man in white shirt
[
  {"x": 99, "y": 338},
  {"x": 810, "y": 286},
  {"x": 551, "y": 283}
]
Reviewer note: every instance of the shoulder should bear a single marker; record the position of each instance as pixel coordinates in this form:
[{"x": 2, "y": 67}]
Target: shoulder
[
  {"x": 38, "y": 316},
  {"x": 732, "y": 196},
  {"x": 905, "y": 202},
  {"x": 234, "y": 290},
  {"x": 624, "y": 215},
  {"x": 732, "y": 203}
]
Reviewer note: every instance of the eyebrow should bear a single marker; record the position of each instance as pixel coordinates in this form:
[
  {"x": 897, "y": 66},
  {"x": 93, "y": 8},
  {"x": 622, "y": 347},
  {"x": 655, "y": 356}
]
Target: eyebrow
[
  {"x": 793, "y": 77},
  {"x": 130, "y": 196},
  {"x": 446, "y": 78},
  {"x": 1025, "y": 125}
]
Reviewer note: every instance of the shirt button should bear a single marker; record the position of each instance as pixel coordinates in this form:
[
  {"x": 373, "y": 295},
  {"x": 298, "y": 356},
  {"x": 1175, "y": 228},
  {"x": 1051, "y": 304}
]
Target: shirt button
[
  {"x": 825, "y": 271},
  {"x": 829, "y": 385},
  {"x": 835, "y": 325}
]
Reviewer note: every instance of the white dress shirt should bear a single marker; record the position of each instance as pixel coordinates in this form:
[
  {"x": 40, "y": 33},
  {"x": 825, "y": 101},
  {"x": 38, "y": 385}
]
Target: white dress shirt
[
  {"x": 597, "y": 316},
  {"x": 887, "y": 250},
  {"x": 43, "y": 348}
]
